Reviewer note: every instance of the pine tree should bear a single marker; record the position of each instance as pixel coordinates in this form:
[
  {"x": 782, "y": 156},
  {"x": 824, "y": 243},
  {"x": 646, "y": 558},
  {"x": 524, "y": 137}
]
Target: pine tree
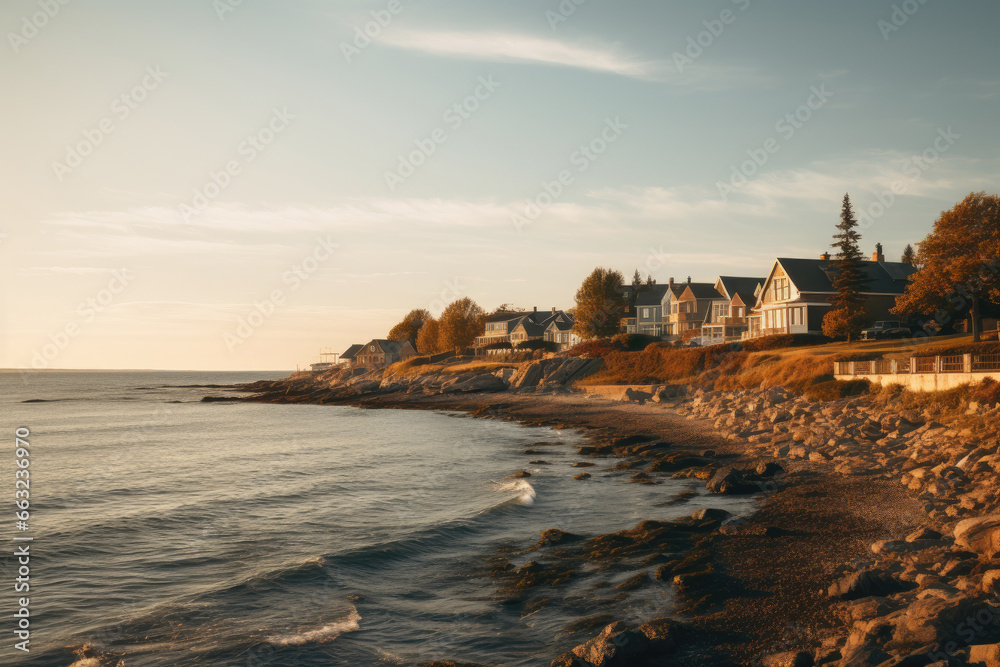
[
  {"x": 636, "y": 279},
  {"x": 909, "y": 256},
  {"x": 849, "y": 313}
]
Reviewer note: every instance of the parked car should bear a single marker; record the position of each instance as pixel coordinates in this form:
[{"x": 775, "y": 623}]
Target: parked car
[{"x": 886, "y": 329}]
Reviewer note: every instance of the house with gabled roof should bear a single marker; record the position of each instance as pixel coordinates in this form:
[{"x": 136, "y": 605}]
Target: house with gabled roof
[
  {"x": 727, "y": 320},
  {"x": 379, "y": 353},
  {"x": 796, "y": 293},
  {"x": 349, "y": 355},
  {"x": 514, "y": 328},
  {"x": 560, "y": 331},
  {"x": 689, "y": 310},
  {"x": 649, "y": 309},
  {"x": 497, "y": 330}
]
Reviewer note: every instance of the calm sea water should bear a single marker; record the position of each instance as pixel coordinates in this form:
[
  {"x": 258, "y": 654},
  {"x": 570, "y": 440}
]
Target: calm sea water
[{"x": 174, "y": 532}]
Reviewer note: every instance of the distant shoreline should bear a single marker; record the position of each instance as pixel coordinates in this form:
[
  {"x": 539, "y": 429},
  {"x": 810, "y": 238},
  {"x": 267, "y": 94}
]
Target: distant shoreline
[{"x": 133, "y": 370}]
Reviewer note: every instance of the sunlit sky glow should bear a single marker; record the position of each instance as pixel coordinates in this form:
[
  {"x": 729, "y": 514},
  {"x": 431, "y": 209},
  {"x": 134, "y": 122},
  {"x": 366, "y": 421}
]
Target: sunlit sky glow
[{"x": 173, "y": 92}]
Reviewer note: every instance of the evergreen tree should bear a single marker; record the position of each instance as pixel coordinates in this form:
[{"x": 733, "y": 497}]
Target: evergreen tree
[
  {"x": 849, "y": 314},
  {"x": 909, "y": 256},
  {"x": 636, "y": 279}
]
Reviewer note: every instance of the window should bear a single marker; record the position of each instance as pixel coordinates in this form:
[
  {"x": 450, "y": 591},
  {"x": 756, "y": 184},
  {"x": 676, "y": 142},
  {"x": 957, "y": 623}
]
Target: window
[
  {"x": 645, "y": 313},
  {"x": 781, "y": 289}
]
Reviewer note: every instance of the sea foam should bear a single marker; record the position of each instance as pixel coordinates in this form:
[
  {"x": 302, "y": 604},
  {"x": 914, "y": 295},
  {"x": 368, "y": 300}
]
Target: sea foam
[{"x": 327, "y": 633}]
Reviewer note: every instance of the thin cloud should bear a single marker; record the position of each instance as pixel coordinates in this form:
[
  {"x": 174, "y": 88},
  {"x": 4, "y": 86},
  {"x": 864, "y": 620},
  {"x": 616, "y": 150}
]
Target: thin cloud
[{"x": 508, "y": 47}]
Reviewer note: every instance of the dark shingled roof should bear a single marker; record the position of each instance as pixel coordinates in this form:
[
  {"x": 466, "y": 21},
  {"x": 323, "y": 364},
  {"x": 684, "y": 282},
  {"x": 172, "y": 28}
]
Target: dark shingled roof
[
  {"x": 816, "y": 275},
  {"x": 388, "y": 346},
  {"x": 351, "y": 352},
  {"x": 745, "y": 287},
  {"x": 651, "y": 296},
  {"x": 702, "y": 290}
]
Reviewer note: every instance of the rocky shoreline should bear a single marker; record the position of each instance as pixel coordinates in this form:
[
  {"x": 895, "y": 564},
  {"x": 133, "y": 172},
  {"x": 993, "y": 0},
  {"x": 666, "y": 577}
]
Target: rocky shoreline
[{"x": 873, "y": 544}]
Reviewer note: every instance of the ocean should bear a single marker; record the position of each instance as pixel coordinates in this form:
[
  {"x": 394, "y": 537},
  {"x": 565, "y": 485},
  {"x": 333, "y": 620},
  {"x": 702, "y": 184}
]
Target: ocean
[{"x": 168, "y": 531}]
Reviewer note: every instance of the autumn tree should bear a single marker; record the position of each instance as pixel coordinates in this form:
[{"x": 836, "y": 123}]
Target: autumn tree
[
  {"x": 409, "y": 328},
  {"x": 959, "y": 265},
  {"x": 600, "y": 304},
  {"x": 460, "y": 323},
  {"x": 427, "y": 337},
  {"x": 849, "y": 314},
  {"x": 909, "y": 256}
]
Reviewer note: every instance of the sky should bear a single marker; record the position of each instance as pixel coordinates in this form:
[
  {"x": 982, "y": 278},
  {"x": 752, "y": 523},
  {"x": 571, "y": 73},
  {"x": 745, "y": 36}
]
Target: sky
[{"x": 236, "y": 184}]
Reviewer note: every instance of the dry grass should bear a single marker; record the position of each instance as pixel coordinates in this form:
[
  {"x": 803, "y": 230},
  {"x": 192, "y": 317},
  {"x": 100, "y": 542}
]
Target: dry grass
[
  {"x": 794, "y": 368},
  {"x": 947, "y": 406},
  {"x": 409, "y": 369}
]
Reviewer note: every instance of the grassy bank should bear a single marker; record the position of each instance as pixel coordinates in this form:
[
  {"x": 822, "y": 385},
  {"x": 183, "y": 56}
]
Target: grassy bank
[{"x": 780, "y": 361}]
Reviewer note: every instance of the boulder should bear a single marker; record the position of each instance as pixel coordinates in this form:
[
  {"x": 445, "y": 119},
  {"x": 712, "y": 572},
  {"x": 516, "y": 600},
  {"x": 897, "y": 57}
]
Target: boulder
[
  {"x": 527, "y": 375},
  {"x": 991, "y": 582},
  {"x": 635, "y": 396},
  {"x": 789, "y": 659},
  {"x": 867, "y": 583},
  {"x": 729, "y": 480},
  {"x": 987, "y": 655},
  {"x": 618, "y": 645},
  {"x": 981, "y": 535},
  {"x": 464, "y": 384},
  {"x": 935, "y": 620}
]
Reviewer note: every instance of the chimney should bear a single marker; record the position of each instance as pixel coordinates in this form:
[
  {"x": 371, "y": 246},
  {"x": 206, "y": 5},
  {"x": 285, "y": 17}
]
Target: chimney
[
  {"x": 536, "y": 309},
  {"x": 825, "y": 257},
  {"x": 553, "y": 310},
  {"x": 689, "y": 280},
  {"x": 877, "y": 256},
  {"x": 671, "y": 281}
]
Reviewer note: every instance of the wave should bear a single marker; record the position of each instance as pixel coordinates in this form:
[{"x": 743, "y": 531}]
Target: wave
[
  {"x": 327, "y": 633},
  {"x": 526, "y": 492}
]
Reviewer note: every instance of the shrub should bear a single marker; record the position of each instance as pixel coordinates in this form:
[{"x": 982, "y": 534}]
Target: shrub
[
  {"x": 593, "y": 348},
  {"x": 837, "y": 389},
  {"x": 968, "y": 348},
  {"x": 545, "y": 345},
  {"x": 634, "y": 342},
  {"x": 782, "y": 341},
  {"x": 986, "y": 392}
]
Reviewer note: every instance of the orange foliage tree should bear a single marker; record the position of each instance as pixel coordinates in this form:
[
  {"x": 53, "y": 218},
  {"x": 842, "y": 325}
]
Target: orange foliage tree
[{"x": 959, "y": 265}]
